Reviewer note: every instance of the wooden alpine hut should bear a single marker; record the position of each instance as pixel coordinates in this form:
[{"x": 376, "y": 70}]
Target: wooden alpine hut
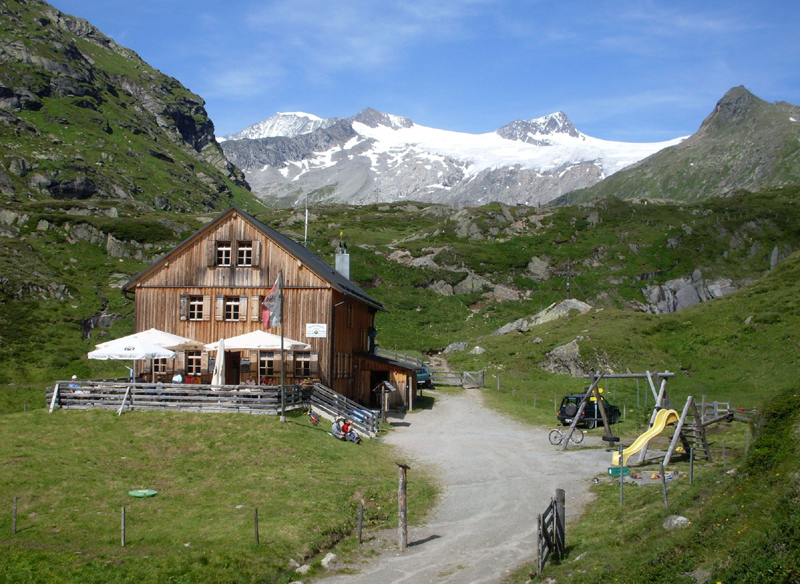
[{"x": 213, "y": 286}]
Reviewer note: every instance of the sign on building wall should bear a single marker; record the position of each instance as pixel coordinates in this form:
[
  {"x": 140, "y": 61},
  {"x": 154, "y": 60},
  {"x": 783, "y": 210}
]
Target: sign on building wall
[{"x": 316, "y": 330}]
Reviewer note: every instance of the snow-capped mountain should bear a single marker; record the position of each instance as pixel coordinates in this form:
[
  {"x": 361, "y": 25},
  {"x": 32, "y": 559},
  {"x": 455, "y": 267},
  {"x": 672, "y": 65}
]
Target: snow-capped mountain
[
  {"x": 378, "y": 157},
  {"x": 289, "y": 124}
]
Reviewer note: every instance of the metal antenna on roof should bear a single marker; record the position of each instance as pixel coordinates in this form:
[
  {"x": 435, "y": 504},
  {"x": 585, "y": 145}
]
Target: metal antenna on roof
[{"x": 305, "y": 239}]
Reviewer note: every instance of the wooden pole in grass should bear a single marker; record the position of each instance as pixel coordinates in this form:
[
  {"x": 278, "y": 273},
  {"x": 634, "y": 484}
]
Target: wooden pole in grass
[
  {"x": 14, "y": 518},
  {"x": 402, "y": 502},
  {"x": 122, "y": 529},
  {"x": 360, "y": 520},
  {"x": 255, "y": 523}
]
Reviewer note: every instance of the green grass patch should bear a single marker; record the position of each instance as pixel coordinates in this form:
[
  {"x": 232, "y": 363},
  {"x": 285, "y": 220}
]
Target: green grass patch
[{"x": 71, "y": 472}]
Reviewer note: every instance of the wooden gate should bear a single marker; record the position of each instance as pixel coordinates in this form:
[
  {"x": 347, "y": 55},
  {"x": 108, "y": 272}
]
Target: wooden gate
[{"x": 552, "y": 525}]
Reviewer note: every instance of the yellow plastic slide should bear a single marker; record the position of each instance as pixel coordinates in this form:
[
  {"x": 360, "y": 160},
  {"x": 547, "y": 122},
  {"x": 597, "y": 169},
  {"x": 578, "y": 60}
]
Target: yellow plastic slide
[{"x": 663, "y": 419}]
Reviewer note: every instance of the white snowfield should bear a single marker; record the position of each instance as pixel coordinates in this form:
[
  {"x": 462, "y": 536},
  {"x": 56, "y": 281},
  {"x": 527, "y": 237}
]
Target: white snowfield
[
  {"x": 478, "y": 152},
  {"x": 490, "y": 150}
]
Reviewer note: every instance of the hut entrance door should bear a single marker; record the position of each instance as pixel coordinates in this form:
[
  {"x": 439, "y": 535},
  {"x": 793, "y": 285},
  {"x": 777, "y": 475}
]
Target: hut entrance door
[{"x": 233, "y": 365}]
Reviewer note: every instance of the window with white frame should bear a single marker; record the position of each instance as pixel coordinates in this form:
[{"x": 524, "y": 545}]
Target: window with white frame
[
  {"x": 232, "y": 307},
  {"x": 193, "y": 363},
  {"x": 223, "y": 253},
  {"x": 159, "y": 365},
  {"x": 244, "y": 253},
  {"x": 302, "y": 364},
  {"x": 195, "y": 308},
  {"x": 267, "y": 364}
]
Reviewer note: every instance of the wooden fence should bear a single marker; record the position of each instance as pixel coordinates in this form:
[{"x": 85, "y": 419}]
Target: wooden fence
[
  {"x": 401, "y": 357},
  {"x": 331, "y": 404},
  {"x": 552, "y": 527},
  {"x": 462, "y": 378},
  {"x": 126, "y": 396}
]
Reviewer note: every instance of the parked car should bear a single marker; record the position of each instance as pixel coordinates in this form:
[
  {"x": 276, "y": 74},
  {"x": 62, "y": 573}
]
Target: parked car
[
  {"x": 424, "y": 377},
  {"x": 590, "y": 417}
]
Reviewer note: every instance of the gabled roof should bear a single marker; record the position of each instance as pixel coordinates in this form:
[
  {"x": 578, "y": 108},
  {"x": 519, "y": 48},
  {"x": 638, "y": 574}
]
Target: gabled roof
[{"x": 310, "y": 260}]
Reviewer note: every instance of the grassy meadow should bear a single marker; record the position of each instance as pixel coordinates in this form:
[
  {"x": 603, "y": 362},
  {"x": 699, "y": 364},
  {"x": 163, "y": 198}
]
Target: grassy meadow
[{"x": 71, "y": 472}]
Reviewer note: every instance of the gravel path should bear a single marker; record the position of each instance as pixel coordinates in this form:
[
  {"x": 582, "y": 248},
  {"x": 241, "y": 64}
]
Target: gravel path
[{"x": 497, "y": 475}]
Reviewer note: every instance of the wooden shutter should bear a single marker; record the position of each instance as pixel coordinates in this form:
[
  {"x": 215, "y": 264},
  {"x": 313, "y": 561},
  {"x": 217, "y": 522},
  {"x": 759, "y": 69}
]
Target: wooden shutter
[
  {"x": 206, "y": 306},
  {"x": 256, "y": 253},
  {"x": 314, "y": 364},
  {"x": 211, "y": 253},
  {"x": 255, "y": 307},
  {"x": 204, "y": 360},
  {"x": 220, "y": 308},
  {"x": 278, "y": 365},
  {"x": 243, "y": 307},
  {"x": 184, "y": 307}
]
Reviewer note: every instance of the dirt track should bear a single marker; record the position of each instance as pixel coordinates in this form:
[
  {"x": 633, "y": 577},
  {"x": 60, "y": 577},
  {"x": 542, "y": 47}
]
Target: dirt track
[{"x": 497, "y": 475}]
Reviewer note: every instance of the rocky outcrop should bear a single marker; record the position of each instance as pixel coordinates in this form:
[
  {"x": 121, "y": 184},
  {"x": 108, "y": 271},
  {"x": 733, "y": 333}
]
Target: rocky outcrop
[
  {"x": 681, "y": 293},
  {"x": 565, "y": 359},
  {"x": 552, "y": 312},
  {"x": 103, "y": 90}
]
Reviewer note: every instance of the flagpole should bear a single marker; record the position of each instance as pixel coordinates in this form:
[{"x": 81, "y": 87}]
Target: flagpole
[{"x": 283, "y": 360}]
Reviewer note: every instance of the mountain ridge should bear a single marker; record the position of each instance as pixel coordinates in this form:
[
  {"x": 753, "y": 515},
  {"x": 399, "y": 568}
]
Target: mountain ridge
[
  {"x": 379, "y": 157},
  {"x": 744, "y": 143}
]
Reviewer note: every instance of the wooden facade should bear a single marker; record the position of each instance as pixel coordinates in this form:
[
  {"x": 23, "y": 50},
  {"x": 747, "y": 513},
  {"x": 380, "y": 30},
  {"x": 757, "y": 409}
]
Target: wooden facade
[{"x": 212, "y": 286}]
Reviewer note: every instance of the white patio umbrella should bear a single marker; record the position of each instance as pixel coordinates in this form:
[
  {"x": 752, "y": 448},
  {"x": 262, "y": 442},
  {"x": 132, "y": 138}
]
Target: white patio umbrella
[
  {"x": 130, "y": 349},
  {"x": 262, "y": 340},
  {"x": 218, "y": 378},
  {"x": 158, "y": 337}
]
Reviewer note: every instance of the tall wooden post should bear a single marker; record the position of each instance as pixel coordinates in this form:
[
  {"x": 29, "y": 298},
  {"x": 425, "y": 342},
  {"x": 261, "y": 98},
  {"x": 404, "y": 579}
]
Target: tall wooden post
[
  {"x": 561, "y": 518},
  {"x": 402, "y": 501},
  {"x": 255, "y": 523},
  {"x": 360, "y": 521},
  {"x": 123, "y": 527}
]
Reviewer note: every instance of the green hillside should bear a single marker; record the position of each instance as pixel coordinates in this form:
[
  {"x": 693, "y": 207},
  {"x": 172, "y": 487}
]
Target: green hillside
[
  {"x": 745, "y": 143},
  {"x": 82, "y": 118}
]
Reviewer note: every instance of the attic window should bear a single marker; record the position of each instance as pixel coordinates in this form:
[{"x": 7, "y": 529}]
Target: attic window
[
  {"x": 223, "y": 253},
  {"x": 244, "y": 253}
]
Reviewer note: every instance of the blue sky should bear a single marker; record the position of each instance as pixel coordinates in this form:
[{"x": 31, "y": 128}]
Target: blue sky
[{"x": 629, "y": 70}]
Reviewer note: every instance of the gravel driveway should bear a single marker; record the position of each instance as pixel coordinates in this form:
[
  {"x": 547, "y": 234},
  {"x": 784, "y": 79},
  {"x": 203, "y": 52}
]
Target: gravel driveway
[{"x": 497, "y": 475}]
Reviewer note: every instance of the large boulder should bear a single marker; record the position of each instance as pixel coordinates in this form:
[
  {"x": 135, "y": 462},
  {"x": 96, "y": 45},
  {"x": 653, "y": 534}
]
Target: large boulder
[
  {"x": 552, "y": 312},
  {"x": 565, "y": 359}
]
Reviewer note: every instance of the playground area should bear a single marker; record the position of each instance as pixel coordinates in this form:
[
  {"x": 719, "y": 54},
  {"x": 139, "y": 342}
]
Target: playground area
[{"x": 688, "y": 426}]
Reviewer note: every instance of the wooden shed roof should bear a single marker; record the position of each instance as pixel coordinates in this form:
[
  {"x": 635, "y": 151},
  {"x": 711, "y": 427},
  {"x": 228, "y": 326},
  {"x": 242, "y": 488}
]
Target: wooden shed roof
[{"x": 311, "y": 260}]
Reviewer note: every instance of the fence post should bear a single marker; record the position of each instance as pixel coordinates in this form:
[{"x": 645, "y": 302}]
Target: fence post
[
  {"x": 539, "y": 546},
  {"x": 14, "y": 518},
  {"x": 123, "y": 526},
  {"x": 360, "y": 520},
  {"x": 561, "y": 520},
  {"x": 255, "y": 523},
  {"x": 402, "y": 502}
]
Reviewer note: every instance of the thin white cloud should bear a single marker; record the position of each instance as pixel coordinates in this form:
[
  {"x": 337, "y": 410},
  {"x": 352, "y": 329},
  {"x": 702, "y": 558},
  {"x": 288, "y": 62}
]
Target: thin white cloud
[{"x": 359, "y": 34}]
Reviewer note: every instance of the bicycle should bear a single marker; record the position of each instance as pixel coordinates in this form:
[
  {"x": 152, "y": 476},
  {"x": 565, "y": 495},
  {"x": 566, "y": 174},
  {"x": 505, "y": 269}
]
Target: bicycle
[
  {"x": 313, "y": 415},
  {"x": 556, "y": 436}
]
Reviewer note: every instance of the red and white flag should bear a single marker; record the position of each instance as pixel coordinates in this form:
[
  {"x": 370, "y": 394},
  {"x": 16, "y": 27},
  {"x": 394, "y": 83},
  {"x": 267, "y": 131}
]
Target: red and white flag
[{"x": 271, "y": 307}]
